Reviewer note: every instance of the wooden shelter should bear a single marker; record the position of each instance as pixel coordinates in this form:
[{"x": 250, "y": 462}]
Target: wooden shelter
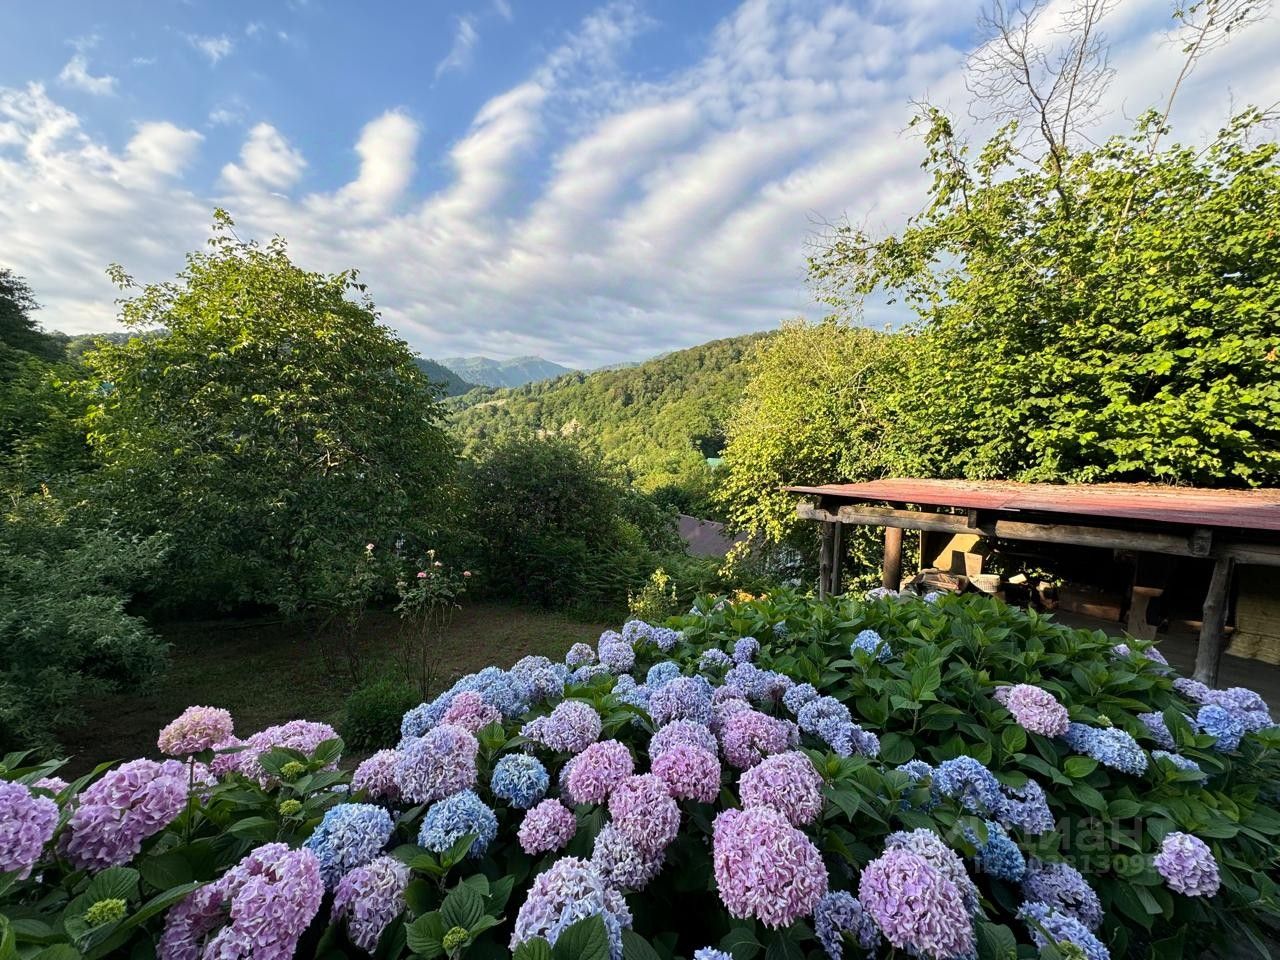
[{"x": 1226, "y": 527}]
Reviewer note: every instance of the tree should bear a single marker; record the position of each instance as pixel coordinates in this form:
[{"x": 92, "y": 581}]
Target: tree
[
  {"x": 273, "y": 430},
  {"x": 18, "y": 330}
]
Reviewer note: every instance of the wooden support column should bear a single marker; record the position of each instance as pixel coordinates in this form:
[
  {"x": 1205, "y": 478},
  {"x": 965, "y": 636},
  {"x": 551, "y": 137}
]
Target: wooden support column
[
  {"x": 891, "y": 577},
  {"x": 1209, "y": 650},
  {"x": 837, "y": 558},
  {"x": 825, "y": 555}
]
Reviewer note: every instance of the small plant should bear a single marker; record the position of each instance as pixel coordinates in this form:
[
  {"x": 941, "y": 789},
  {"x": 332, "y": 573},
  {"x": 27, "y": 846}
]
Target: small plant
[
  {"x": 371, "y": 718},
  {"x": 428, "y": 602},
  {"x": 337, "y": 613},
  {"x": 656, "y": 600}
]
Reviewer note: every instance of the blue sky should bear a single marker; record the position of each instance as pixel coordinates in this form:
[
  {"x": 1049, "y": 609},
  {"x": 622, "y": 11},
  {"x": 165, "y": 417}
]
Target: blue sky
[{"x": 588, "y": 181}]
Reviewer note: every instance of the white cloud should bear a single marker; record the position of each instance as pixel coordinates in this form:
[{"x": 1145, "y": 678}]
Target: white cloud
[
  {"x": 503, "y": 9},
  {"x": 76, "y": 75},
  {"x": 465, "y": 38},
  {"x": 586, "y": 215},
  {"x": 214, "y": 49}
]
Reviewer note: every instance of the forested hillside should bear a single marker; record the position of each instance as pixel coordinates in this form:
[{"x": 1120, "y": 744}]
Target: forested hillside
[
  {"x": 660, "y": 420},
  {"x": 503, "y": 373},
  {"x": 437, "y": 372}
]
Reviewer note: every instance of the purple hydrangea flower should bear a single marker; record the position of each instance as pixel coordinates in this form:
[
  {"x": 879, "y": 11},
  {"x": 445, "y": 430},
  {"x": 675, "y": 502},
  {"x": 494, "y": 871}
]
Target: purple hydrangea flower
[
  {"x": 798, "y": 696},
  {"x": 580, "y": 655},
  {"x": 569, "y": 728},
  {"x": 259, "y": 908},
  {"x": 615, "y": 653},
  {"x": 1220, "y": 723},
  {"x": 1157, "y": 729},
  {"x": 870, "y": 642},
  {"x": 965, "y": 779},
  {"x": 746, "y": 649},
  {"x": 661, "y": 673},
  {"x": 469, "y": 711},
  {"x": 930, "y": 847},
  {"x": 548, "y": 826},
  {"x": 1064, "y": 888},
  {"x": 690, "y": 773},
  {"x": 635, "y": 632},
  {"x": 710, "y": 953},
  {"x": 376, "y": 776},
  {"x": 27, "y": 823},
  {"x": 749, "y": 736},
  {"x": 664, "y": 638},
  {"x": 642, "y": 808},
  {"x": 520, "y": 779},
  {"x": 538, "y": 678},
  {"x": 301, "y": 735},
  {"x": 765, "y": 868},
  {"x": 195, "y": 730},
  {"x": 683, "y": 698},
  {"x": 687, "y": 732},
  {"x": 1187, "y": 865},
  {"x": 840, "y": 913},
  {"x": 449, "y": 820},
  {"x": 714, "y": 661},
  {"x": 368, "y": 898},
  {"x": 593, "y": 774},
  {"x": 566, "y": 892},
  {"x": 438, "y": 764},
  {"x": 621, "y": 863},
  {"x": 130, "y": 803},
  {"x": 786, "y": 782},
  {"x": 1026, "y": 808},
  {"x": 1049, "y": 925},
  {"x": 350, "y": 835},
  {"x": 915, "y": 907},
  {"x": 1035, "y": 710},
  {"x": 1193, "y": 690}
]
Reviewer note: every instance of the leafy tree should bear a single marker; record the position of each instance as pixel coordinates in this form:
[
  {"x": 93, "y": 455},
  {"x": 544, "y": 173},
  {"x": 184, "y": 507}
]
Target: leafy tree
[
  {"x": 273, "y": 430},
  {"x": 18, "y": 329}
]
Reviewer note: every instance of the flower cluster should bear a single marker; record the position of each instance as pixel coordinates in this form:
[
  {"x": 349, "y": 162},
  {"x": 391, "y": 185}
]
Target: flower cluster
[
  {"x": 786, "y": 782},
  {"x": 580, "y": 655},
  {"x": 301, "y": 735},
  {"x": 714, "y": 661},
  {"x": 519, "y": 779},
  {"x": 661, "y": 673},
  {"x": 746, "y": 650},
  {"x": 1222, "y": 724},
  {"x": 870, "y": 642},
  {"x": 686, "y": 732},
  {"x": 615, "y": 653},
  {"x": 1049, "y": 925},
  {"x": 621, "y": 863},
  {"x": 1064, "y": 888},
  {"x": 683, "y": 698},
  {"x": 547, "y": 827},
  {"x": 593, "y": 774},
  {"x": 1036, "y": 710},
  {"x": 929, "y": 847},
  {"x": 569, "y": 728},
  {"x": 765, "y": 868},
  {"x": 570, "y": 890},
  {"x": 1026, "y": 808},
  {"x": 469, "y": 711},
  {"x": 539, "y": 679},
  {"x": 449, "y": 820},
  {"x": 1158, "y": 729},
  {"x": 26, "y": 825},
  {"x": 915, "y": 907},
  {"x": 998, "y": 856},
  {"x": 1184, "y": 764},
  {"x": 967, "y": 780},
  {"x": 749, "y": 736},
  {"x": 350, "y": 835},
  {"x": 376, "y": 776},
  {"x": 115, "y": 814},
  {"x": 437, "y": 764},
  {"x": 259, "y": 908},
  {"x": 1187, "y": 865},
  {"x": 641, "y": 808},
  {"x": 1110, "y": 746},
  {"x": 840, "y": 913},
  {"x": 369, "y": 897},
  {"x": 195, "y": 730},
  {"x": 690, "y": 773}
]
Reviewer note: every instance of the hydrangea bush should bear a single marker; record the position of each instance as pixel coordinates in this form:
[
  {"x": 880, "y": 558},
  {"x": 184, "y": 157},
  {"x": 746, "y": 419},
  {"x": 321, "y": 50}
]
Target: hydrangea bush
[{"x": 942, "y": 778}]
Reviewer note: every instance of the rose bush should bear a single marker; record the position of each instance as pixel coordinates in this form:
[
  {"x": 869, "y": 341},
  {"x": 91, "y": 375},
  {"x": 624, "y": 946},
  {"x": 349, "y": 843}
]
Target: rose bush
[{"x": 779, "y": 778}]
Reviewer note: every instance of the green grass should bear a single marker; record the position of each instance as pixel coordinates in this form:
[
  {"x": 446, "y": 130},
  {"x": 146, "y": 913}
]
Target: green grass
[{"x": 267, "y": 672}]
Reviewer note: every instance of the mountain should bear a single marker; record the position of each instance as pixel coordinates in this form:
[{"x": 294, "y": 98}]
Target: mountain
[
  {"x": 660, "y": 420},
  {"x": 504, "y": 373},
  {"x": 437, "y": 372}
]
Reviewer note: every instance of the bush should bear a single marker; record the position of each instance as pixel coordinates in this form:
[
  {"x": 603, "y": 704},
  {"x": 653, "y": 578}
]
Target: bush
[
  {"x": 1007, "y": 770},
  {"x": 371, "y": 715}
]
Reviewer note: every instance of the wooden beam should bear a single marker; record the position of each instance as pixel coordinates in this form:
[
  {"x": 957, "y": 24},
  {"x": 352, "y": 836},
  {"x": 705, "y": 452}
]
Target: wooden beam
[
  {"x": 824, "y": 557},
  {"x": 837, "y": 558},
  {"x": 1262, "y": 554},
  {"x": 1209, "y": 650},
  {"x": 891, "y": 576}
]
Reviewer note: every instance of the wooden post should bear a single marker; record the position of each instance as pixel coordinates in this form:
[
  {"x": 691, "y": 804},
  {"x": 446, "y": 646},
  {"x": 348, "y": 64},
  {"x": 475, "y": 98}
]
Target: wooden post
[
  {"x": 837, "y": 558},
  {"x": 1209, "y": 650},
  {"x": 825, "y": 553},
  {"x": 891, "y": 577}
]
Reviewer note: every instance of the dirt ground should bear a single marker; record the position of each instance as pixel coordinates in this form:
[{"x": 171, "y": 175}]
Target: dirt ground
[{"x": 267, "y": 672}]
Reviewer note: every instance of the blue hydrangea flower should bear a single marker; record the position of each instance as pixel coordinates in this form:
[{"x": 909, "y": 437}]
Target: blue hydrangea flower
[
  {"x": 682, "y": 698},
  {"x": 967, "y": 780},
  {"x": 933, "y": 596},
  {"x": 818, "y": 711},
  {"x": 449, "y": 820},
  {"x": 425, "y": 716},
  {"x": 798, "y": 696},
  {"x": 1221, "y": 724},
  {"x": 999, "y": 856},
  {"x": 636, "y": 632},
  {"x": 1181, "y": 762},
  {"x": 615, "y": 652},
  {"x": 538, "y": 679},
  {"x": 579, "y": 655},
  {"x": 1157, "y": 729},
  {"x": 661, "y": 673},
  {"x": 848, "y": 739},
  {"x": 711, "y": 953},
  {"x": 916, "y": 771},
  {"x": 870, "y": 642},
  {"x": 838, "y": 913},
  {"x": 746, "y": 649},
  {"x": 1108, "y": 745},
  {"x": 349, "y": 836},
  {"x": 1026, "y": 808},
  {"x": 588, "y": 672},
  {"x": 520, "y": 779},
  {"x": 1048, "y": 925},
  {"x": 781, "y": 631},
  {"x": 664, "y": 638},
  {"x": 1063, "y": 888},
  {"x": 713, "y": 661}
]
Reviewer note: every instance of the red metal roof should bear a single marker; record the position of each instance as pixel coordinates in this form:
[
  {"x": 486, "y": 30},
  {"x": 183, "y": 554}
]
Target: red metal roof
[{"x": 1246, "y": 509}]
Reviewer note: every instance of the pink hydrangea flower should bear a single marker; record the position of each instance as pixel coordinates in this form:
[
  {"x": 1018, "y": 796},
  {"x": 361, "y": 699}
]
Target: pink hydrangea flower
[
  {"x": 259, "y": 908},
  {"x": 437, "y": 764},
  {"x": 1036, "y": 710},
  {"x": 196, "y": 729},
  {"x": 301, "y": 735},
  {"x": 916, "y": 907},
  {"x": 27, "y": 823},
  {"x": 690, "y": 773},
  {"x": 1187, "y": 865},
  {"x": 130, "y": 803},
  {"x": 597, "y": 770},
  {"x": 569, "y": 728},
  {"x": 376, "y": 776},
  {"x": 765, "y": 868},
  {"x": 786, "y": 782},
  {"x": 469, "y": 711},
  {"x": 749, "y": 736},
  {"x": 368, "y": 898},
  {"x": 642, "y": 809},
  {"x": 548, "y": 826},
  {"x": 687, "y": 732}
]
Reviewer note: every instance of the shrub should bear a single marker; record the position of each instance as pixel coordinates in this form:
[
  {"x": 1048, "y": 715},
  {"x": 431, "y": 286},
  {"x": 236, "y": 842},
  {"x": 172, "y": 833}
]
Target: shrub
[
  {"x": 371, "y": 715},
  {"x": 938, "y": 779}
]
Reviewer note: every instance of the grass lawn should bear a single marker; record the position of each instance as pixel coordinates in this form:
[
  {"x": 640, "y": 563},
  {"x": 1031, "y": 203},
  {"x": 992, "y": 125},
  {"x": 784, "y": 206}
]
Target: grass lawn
[{"x": 267, "y": 672}]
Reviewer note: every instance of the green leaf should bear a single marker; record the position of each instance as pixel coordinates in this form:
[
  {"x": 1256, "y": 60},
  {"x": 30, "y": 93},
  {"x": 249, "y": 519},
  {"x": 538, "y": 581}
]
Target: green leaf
[
  {"x": 463, "y": 907},
  {"x": 782, "y": 946},
  {"x": 636, "y": 947},
  {"x": 996, "y": 942},
  {"x": 742, "y": 943},
  {"x": 113, "y": 883},
  {"x": 585, "y": 940},
  {"x": 1013, "y": 739},
  {"x": 1077, "y": 768},
  {"x": 425, "y": 936},
  {"x": 535, "y": 949},
  {"x": 166, "y": 870}
]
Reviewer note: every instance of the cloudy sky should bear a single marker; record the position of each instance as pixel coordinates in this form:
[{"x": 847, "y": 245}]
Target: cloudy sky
[{"x": 591, "y": 182}]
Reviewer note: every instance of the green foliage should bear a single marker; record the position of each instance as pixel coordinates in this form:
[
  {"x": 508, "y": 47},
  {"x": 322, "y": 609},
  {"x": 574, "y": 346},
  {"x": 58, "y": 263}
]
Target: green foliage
[
  {"x": 19, "y": 333},
  {"x": 371, "y": 715},
  {"x": 65, "y": 635},
  {"x": 1110, "y": 320},
  {"x": 656, "y": 600},
  {"x": 452, "y": 384},
  {"x": 273, "y": 430},
  {"x": 659, "y": 421}
]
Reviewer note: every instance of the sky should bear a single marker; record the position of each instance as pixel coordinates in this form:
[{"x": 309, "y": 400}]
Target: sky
[{"x": 591, "y": 182}]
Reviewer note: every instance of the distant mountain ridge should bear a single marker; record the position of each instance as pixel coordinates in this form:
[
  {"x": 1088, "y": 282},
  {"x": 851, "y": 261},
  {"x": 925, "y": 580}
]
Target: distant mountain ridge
[
  {"x": 437, "y": 372},
  {"x": 487, "y": 372}
]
